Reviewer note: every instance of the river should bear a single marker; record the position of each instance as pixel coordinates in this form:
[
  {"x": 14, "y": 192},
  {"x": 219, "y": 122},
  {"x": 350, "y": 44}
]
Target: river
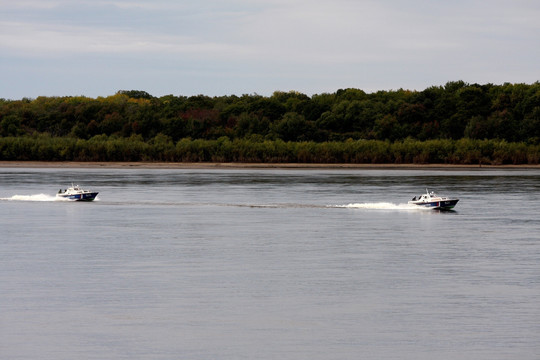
[{"x": 269, "y": 264}]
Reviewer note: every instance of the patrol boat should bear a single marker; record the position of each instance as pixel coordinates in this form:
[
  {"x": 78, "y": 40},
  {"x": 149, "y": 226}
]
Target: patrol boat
[
  {"x": 433, "y": 201},
  {"x": 75, "y": 193}
]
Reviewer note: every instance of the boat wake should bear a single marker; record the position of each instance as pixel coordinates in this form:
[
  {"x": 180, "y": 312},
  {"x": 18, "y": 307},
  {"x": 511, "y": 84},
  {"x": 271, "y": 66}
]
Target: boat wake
[
  {"x": 36, "y": 197},
  {"x": 381, "y": 206},
  {"x": 368, "y": 206}
]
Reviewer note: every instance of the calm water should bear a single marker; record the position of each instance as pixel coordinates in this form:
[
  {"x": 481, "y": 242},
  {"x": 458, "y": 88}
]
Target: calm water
[{"x": 269, "y": 264}]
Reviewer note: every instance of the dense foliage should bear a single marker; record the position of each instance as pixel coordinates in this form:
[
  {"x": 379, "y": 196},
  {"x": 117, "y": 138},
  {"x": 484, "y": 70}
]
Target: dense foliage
[
  {"x": 455, "y": 123},
  {"x": 162, "y": 148}
]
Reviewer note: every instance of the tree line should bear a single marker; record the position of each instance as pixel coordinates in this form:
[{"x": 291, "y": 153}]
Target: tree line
[
  {"x": 162, "y": 148},
  {"x": 492, "y": 123}
]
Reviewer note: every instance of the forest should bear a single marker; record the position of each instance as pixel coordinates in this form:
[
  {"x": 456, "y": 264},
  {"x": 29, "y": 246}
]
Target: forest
[{"x": 458, "y": 123}]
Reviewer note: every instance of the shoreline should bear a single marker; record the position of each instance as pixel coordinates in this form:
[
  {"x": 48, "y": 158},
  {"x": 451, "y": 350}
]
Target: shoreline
[{"x": 218, "y": 165}]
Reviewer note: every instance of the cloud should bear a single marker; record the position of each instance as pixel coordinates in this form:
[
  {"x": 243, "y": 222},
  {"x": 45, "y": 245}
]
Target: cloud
[
  {"x": 33, "y": 5},
  {"x": 337, "y": 32},
  {"x": 255, "y": 45},
  {"x": 36, "y": 39},
  {"x": 8, "y": 5}
]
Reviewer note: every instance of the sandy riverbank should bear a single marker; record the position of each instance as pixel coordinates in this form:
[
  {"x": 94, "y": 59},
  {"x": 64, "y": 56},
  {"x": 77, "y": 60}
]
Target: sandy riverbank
[{"x": 199, "y": 165}]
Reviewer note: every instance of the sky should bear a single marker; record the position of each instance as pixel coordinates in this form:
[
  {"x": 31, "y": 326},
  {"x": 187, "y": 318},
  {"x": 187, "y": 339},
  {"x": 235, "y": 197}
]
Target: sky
[{"x": 234, "y": 47}]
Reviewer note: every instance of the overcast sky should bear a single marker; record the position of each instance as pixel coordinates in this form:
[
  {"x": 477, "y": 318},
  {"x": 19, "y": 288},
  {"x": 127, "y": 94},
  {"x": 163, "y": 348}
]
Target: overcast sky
[{"x": 223, "y": 47}]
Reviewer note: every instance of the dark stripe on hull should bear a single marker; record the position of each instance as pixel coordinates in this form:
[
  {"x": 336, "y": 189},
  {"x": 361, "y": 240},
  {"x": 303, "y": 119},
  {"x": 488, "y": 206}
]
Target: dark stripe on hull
[
  {"x": 82, "y": 197},
  {"x": 441, "y": 205}
]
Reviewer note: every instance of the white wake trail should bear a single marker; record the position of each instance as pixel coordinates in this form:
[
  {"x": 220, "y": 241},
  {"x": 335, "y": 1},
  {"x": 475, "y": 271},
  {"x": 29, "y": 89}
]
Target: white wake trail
[
  {"x": 381, "y": 206},
  {"x": 35, "y": 197}
]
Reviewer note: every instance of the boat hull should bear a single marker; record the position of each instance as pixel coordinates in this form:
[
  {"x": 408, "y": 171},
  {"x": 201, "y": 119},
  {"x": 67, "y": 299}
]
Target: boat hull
[
  {"x": 437, "y": 205},
  {"x": 87, "y": 196}
]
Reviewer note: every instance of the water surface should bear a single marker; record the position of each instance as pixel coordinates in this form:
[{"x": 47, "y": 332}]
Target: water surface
[{"x": 267, "y": 264}]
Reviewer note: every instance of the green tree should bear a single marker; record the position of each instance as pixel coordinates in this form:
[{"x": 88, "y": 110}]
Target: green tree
[
  {"x": 292, "y": 127},
  {"x": 387, "y": 128},
  {"x": 136, "y": 94},
  {"x": 10, "y": 126}
]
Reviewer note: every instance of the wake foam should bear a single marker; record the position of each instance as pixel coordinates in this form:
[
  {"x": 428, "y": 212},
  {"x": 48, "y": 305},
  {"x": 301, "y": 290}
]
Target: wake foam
[
  {"x": 36, "y": 197},
  {"x": 381, "y": 206}
]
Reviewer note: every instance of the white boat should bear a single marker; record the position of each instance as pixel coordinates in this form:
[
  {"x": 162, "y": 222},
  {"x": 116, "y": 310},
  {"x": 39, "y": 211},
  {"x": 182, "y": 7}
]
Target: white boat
[
  {"x": 433, "y": 201},
  {"x": 77, "y": 194}
]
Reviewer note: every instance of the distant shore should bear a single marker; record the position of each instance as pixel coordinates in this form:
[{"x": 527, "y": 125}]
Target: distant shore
[{"x": 217, "y": 165}]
